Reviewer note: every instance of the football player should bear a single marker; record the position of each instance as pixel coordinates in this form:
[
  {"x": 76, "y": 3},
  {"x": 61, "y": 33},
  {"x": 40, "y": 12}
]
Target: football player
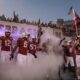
[
  {"x": 22, "y": 49},
  {"x": 6, "y": 46},
  {"x": 33, "y": 47},
  {"x": 23, "y": 55}
]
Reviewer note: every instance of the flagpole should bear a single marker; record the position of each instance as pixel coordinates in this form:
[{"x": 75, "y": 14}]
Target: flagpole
[
  {"x": 76, "y": 29},
  {"x": 75, "y": 17}
]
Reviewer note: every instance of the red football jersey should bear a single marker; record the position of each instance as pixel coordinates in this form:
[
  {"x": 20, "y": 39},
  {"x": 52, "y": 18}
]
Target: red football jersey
[
  {"x": 23, "y": 46},
  {"x": 71, "y": 53},
  {"x": 33, "y": 47},
  {"x": 6, "y": 43}
]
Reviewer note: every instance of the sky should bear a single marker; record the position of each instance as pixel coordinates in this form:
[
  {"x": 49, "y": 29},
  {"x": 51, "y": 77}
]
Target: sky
[{"x": 46, "y": 10}]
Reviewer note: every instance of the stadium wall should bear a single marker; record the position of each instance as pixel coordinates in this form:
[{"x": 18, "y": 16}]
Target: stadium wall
[{"x": 18, "y": 28}]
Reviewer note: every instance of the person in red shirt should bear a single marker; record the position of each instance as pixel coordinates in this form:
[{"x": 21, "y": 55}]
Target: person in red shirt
[
  {"x": 6, "y": 46},
  {"x": 32, "y": 50},
  {"x": 69, "y": 55},
  {"x": 33, "y": 47},
  {"x": 22, "y": 49}
]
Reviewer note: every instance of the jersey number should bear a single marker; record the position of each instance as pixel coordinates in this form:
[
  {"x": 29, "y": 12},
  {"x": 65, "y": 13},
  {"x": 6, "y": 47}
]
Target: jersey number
[
  {"x": 32, "y": 46},
  {"x": 7, "y": 42},
  {"x": 25, "y": 43}
]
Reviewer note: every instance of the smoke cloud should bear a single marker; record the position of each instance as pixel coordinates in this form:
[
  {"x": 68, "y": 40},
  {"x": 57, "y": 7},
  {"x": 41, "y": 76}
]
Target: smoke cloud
[{"x": 45, "y": 67}]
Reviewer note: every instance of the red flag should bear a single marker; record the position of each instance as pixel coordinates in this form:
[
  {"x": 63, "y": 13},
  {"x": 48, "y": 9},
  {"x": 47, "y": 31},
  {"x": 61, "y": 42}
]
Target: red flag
[{"x": 75, "y": 16}]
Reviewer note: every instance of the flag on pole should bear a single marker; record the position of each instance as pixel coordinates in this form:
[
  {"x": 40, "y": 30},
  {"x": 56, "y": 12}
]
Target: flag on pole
[
  {"x": 75, "y": 16},
  {"x": 76, "y": 19}
]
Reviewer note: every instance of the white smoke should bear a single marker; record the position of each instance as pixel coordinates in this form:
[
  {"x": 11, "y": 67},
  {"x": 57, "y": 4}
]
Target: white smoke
[{"x": 44, "y": 67}]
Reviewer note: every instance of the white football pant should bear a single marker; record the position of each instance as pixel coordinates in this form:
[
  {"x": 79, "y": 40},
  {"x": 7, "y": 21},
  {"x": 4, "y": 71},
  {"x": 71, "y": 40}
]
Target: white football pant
[
  {"x": 71, "y": 61},
  {"x": 78, "y": 60},
  {"x": 5, "y": 56},
  {"x": 24, "y": 59}
]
